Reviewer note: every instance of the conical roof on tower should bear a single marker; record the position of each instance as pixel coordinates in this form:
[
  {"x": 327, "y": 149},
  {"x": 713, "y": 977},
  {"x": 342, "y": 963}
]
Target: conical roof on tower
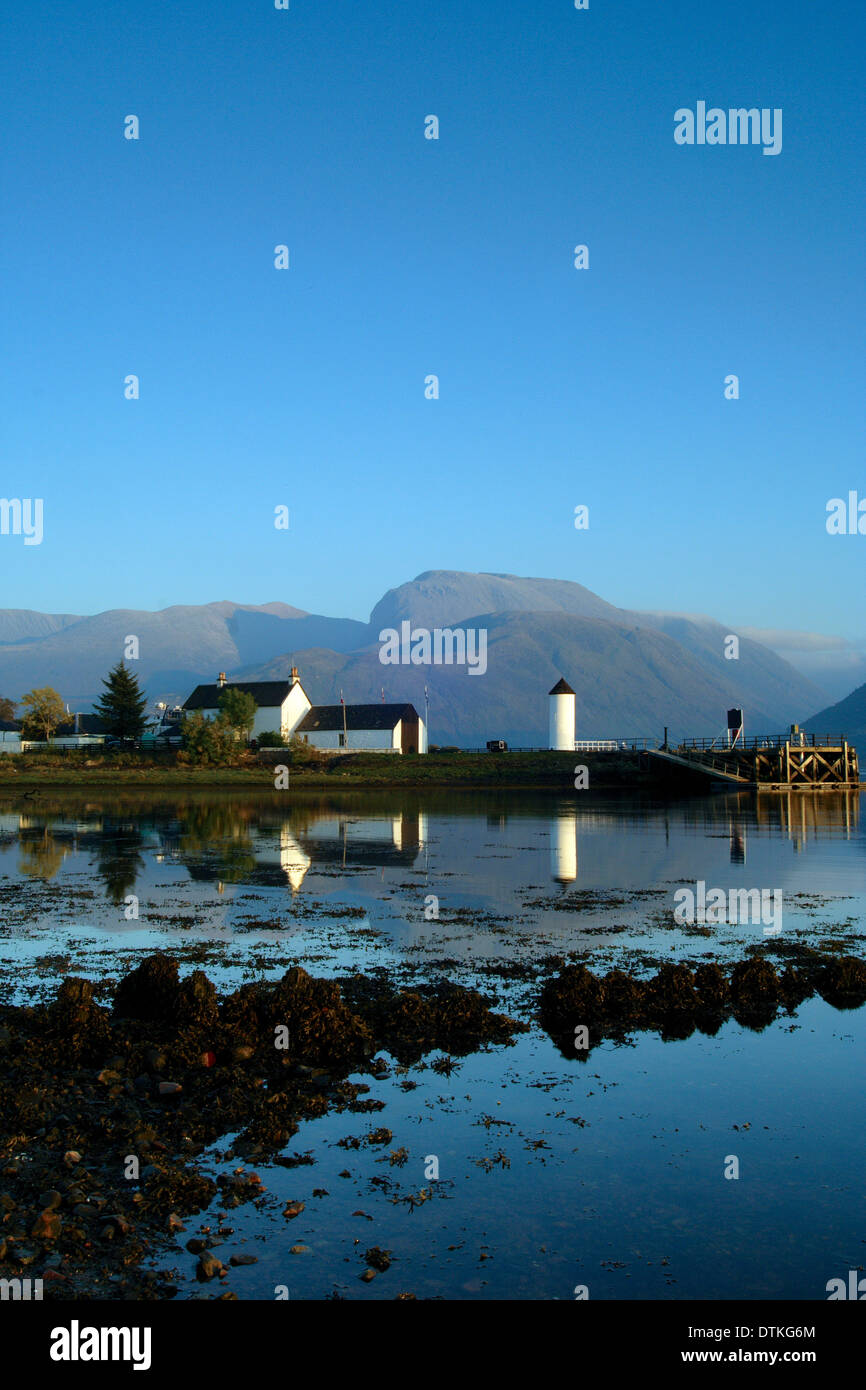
[{"x": 562, "y": 688}]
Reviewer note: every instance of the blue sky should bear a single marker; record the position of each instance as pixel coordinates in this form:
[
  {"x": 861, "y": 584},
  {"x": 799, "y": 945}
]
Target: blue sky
[{"x": 409, "y": 257}]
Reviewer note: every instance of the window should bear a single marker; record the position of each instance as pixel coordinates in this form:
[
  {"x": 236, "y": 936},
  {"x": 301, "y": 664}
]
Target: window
[{"x": 342, "y": 740}]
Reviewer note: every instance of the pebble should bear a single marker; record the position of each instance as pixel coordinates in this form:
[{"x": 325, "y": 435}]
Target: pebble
[
  {"x": 244, "y": 1260},
  {"x": 293, "y": 1209},
  {"x": 208, "y": 1266},
  {"x": 47, "y": 1225}
]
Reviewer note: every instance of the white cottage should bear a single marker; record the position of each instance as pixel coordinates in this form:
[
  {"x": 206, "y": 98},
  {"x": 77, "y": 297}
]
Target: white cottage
[
  {"x": 364, "y": 728},
  {"x": 284, "y": 707},
  {"x": 281, "y": 705}
]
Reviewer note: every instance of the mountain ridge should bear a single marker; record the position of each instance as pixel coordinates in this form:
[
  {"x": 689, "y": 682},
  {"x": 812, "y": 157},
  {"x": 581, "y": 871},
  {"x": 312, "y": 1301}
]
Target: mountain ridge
[{"x": 633, "y": 671}]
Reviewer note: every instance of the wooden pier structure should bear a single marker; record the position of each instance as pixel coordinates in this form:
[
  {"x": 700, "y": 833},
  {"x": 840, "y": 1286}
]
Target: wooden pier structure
[{"x": 783, "y": 763}]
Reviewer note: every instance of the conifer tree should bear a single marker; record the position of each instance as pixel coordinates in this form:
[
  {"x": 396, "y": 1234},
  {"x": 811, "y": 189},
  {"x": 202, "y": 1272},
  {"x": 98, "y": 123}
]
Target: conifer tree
[{"x": 122, "y": 706}]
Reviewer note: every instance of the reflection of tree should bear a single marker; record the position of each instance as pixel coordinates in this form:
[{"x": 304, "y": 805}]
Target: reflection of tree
[
  {"x": 220, "y": 834},
  {"x": 118, "y": 861},
  {"x": 41, "y": 855}
]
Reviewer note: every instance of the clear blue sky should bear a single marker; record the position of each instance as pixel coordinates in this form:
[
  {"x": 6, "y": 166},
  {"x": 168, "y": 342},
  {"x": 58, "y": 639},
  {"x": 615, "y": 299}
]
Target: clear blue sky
[{"x": 410, "y": 257}]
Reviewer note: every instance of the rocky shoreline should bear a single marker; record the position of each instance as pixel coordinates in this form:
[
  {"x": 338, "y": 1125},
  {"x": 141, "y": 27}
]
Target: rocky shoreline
[{"x": 104, "y": 1112}]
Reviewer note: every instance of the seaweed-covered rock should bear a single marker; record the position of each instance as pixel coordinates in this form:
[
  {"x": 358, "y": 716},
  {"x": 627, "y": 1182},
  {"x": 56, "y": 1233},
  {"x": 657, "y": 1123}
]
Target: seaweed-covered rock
[
  {"x": 320, "y": 1025},
  {"x": 843, "y": 983},
  {"x": 672, "y": 991},
  {"x": 574, "y": 996},
  {"x": 711, "y": 988},
  {"x": 624, "y": 997},
  {"x": 755, "y": 982},
  {"x": 151, "y": 992},
  {"x": 197, "y": 1005},
  {"x": 76, "y": 1024}
]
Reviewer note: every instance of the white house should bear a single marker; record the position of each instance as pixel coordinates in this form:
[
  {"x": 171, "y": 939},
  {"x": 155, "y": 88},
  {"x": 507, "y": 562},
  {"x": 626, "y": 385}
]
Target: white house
[
  {"x": 371, "y": 728},
  {"x": 281, "y": 705},
  {"x": 284, "y": 707}
]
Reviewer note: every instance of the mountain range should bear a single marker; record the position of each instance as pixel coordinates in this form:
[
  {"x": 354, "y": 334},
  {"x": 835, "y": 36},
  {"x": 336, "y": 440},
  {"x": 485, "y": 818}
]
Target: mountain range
[{"x": 633, "y": 672}]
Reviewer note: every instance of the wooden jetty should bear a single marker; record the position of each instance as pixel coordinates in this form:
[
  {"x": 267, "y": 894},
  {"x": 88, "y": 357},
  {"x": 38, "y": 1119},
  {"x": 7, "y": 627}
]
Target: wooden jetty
[{"x": 783, "y": 763}]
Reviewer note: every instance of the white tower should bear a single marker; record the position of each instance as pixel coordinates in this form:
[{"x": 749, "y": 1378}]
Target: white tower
[{"x": 562, "y": 717}]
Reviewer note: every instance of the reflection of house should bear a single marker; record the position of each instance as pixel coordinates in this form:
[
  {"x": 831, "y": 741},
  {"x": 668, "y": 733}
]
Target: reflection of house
[
  {"x": 389, "y": 840},
  {"x": 284, "y": 707}
]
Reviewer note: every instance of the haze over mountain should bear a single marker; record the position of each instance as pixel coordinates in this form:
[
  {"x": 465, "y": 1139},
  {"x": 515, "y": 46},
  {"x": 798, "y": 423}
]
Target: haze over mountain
[
  {"x": 848, "y": 717},
  {"x": 633, "y": 672}
]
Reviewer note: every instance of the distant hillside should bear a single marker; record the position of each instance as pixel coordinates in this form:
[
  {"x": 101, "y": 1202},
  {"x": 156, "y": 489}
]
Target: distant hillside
[
  {"x": 179, "y": 646},
  {"x": 633, "y": 672},
  {"x": 628, "y": 681},
  {"x": 848, "y": 717}
]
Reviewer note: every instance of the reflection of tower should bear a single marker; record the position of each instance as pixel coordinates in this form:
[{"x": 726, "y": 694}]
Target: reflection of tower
[
  {"x": 738, "y": 842},
  {"x": 293, "y": 861},
  {"x": 563, "y": 848},
  {"x": 562, "y": 717}
]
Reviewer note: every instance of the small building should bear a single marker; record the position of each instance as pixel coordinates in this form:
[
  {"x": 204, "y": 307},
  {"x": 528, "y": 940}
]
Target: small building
[
  {"x": 369, "y": 728},
  {"x": 76, "y": 731},
  {"x": 81, "y": 731},
  {"x": 10, "y": 735},
  {"x": 562, "y": 717},
  {"x": 281, "y": 705}
]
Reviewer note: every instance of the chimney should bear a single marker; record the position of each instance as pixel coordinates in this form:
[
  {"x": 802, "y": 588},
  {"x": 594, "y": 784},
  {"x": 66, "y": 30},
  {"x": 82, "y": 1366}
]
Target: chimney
[
  {"x": 294, "y": 675},
  {"x": 221, "y": 678}
]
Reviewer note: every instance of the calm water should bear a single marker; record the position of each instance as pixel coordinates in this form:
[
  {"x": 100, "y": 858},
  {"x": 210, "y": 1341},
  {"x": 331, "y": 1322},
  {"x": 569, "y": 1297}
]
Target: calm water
[{"x": 553, "y": 1172}]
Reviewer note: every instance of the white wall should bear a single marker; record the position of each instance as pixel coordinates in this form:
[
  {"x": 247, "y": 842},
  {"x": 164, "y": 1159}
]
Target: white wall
[
  {"x": 374, "y": 740},
  {"x": 275, "y": 718},
  {"x": 295, "y": 707}
]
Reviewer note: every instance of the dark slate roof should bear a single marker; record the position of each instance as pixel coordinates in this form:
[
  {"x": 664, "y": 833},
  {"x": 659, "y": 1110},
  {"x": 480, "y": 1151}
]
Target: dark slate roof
[
  {"x": 562, "y": 688},
  {"x": 323, "y": 718},
  {"x": 265, "y": 693},
  {"x": 10, "y": 726},
  {"x": 87, "y": 724}
]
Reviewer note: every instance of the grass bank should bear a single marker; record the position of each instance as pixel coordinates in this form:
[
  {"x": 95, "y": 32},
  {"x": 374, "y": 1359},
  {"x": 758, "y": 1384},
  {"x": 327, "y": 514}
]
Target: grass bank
[{"x": 541, "y": 771}]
